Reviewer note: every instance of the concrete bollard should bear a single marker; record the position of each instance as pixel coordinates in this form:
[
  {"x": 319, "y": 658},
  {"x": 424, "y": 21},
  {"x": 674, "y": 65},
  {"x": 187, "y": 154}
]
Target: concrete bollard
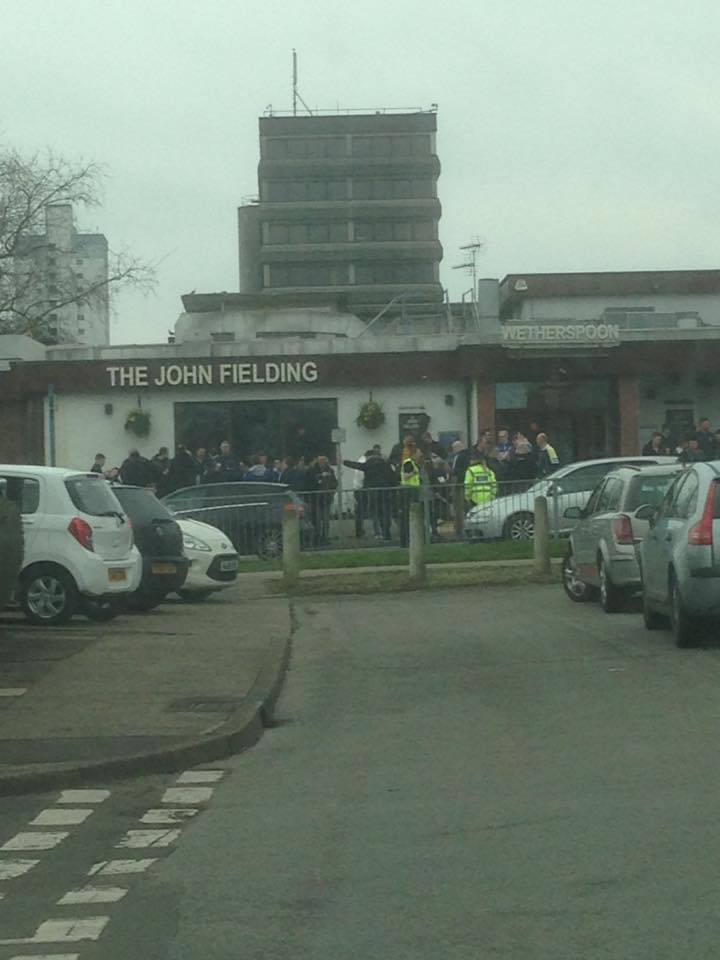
[
  {"x": 291, "y": 546},
  {"x": 541, "y": 541},
  {"x": 417, "y": 543}
]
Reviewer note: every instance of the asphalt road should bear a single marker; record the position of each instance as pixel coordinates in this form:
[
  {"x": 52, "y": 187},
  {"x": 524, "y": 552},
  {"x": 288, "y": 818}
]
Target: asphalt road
[{"x": 458, "y": 774}]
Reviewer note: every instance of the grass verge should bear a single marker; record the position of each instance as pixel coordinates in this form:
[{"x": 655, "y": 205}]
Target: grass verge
[
  {"x": 398, "y": 557},
  {"x": 395, "y": 581}
]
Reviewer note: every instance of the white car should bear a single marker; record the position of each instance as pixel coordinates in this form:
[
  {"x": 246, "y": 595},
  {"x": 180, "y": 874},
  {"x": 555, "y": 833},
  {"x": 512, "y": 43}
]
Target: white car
[
  {"x": 213, "y": 560},
  {"x": 512, "y": 516},
  {"x": 79, "y": 553}
]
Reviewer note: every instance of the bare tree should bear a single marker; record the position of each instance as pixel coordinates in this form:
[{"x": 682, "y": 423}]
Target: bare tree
[{"x": 28, "y": 186}]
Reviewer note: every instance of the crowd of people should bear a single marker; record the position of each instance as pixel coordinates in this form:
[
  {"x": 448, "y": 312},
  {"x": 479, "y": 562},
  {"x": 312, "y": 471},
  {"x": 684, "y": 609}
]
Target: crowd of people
[
  {"x": 449, "y": 481},
  {"x": 691, "y": 446}
]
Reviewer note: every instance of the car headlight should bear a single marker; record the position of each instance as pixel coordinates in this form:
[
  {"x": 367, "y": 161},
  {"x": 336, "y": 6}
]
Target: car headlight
[
  {"x": 195, "y": 543},
  {"x": 477, "y": 513}
]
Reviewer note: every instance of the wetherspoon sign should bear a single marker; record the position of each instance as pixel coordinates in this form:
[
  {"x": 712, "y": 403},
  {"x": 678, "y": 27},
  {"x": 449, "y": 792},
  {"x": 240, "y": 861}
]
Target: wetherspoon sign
[
  {"x": 565, "y": 334},
  {"x": 210, "y": 374}
]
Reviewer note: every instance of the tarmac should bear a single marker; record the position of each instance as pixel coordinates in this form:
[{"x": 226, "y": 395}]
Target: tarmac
[{"x": 144, "y": 693}]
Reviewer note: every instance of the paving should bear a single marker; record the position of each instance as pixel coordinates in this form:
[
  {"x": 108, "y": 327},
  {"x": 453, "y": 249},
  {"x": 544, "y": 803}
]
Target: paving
[{"x": 141, "y": 694}]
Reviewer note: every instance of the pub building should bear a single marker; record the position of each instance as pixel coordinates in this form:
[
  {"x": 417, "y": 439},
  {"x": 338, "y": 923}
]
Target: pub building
[{"x": 596, "y": 360}]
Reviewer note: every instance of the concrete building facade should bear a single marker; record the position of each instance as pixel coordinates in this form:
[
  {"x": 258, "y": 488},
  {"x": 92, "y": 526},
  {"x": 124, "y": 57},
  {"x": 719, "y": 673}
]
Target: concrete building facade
[
  {"x": 347, "y": 205},
  {"x": 64, "y": 274}
]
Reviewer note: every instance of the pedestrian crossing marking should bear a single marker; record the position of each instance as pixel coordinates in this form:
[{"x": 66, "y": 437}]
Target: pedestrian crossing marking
[
  {"x": 60, "y": 818},
  {"x": 91, "y": 894},
  {"x": 65, "y": 931},
  {"x": 10, "y": 869},
  {"x": 200, "y": 776},
  {"x": 119, "y": 867},
  {"x": 148, "y": 838},
  {"x": 83, "y": 796},
  {"x": 34, "y": 841},
  {"x": 187, "y": 795}
]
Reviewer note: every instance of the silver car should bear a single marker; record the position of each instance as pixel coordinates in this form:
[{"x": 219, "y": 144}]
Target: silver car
[
  {"x": 512, "y": 516},
  {"x": 680, "y": 555},
  {"x": 602, "y": 559}
]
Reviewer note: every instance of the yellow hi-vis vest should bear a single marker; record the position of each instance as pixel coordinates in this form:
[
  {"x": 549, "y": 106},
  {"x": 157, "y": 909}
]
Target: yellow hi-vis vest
[
  {"x": 480, "y": 484},
  {"x": 407, "y": 478}
]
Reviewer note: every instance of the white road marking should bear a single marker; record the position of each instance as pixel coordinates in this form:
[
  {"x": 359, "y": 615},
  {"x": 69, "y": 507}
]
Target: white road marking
[
  {"x": 90, "y": 894},
  {"x": 168, "y": 815},
  {"x": 187, "y": 795},
  {"x": 201, "y": 776},
  {"x": 65, "y": 931},
  {"x": 34, "y": 841},
  {"x": 83, "y": 796},
  {"x": 12, "y": 691},
  {"x": 46, "y": 956},
  {"x": 148, "y": 838},
  {"x": 68, "y": 816},
  {"x": 116, "y": 868},
  {"x": 9, "y": 869}
]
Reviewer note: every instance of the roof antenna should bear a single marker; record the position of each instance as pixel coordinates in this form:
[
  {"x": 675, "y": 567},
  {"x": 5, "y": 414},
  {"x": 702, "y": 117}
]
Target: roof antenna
[{"x": 296, "y": 95}]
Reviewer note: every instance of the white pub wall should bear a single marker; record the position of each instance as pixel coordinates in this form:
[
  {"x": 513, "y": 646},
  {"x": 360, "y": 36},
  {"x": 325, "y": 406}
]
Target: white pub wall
[{"x": 82, "y": 428}]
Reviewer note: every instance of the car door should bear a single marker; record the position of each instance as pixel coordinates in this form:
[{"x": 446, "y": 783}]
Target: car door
[
  {"x": 601, "y": 531},
  {"x": 26, "y": 493},
  {"x": 582, "y": 540},
  {"x": 662, "y": 539}
]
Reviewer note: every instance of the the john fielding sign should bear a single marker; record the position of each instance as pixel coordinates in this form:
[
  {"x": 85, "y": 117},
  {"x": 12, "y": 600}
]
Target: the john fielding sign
[{"x": 210, "y": 374}]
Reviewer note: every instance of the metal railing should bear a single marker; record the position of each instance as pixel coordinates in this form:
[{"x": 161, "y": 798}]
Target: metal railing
[{"x": 372, "y": 517}]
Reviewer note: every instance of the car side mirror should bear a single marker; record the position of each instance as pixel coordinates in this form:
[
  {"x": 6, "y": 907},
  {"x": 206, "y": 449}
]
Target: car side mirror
[
  {"x": 646, "y": 512},
  {"x": 574, "y": 513}
]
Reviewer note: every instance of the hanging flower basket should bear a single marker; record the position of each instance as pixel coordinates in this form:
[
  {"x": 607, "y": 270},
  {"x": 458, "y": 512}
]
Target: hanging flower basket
[
  {"x": 138, "y": 422},
  {"x": 370, "y": 415}
]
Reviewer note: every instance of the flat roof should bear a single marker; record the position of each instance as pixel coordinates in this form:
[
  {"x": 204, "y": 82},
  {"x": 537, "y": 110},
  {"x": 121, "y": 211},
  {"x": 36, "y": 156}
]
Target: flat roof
[{"x": 517, "y": 286}]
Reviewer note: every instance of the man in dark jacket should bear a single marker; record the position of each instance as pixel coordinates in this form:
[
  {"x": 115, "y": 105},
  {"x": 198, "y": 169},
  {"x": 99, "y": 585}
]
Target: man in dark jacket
[
  {"x": 181, "y": 472},
  {"x": 379, "y": 481},
  {"x": 137, "y": 471},
  {"x": 320, "y": 483}
]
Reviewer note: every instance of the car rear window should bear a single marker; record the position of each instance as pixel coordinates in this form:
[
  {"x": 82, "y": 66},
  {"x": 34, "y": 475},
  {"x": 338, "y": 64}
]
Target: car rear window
[
  {"x": 90, "y": 494},
  {"x": 650, "y": 490},
  {"x": 142, "y": 506}
]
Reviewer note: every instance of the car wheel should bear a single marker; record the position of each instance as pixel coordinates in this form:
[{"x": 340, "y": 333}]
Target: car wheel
[
  {"x": 269, "y": 545},
  {"x": 194, "y": 596},
  {"x": 521, "y": 526},
  {"x": 684, "y": 628},
  {"x": 576, "y": 590},
  {"x": 653, "y": 620},
  {"x": 99, "y": 610},
  {"x": 48, "y": 596},
  {"x": 612, "y": 598}
]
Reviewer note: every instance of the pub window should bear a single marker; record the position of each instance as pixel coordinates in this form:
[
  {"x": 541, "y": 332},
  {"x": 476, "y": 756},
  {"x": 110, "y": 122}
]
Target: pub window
[{"x": 401, "y": 146}]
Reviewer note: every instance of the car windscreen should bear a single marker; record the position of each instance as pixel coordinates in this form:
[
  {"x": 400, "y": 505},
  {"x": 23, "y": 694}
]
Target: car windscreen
[
  {"x": 648, "y": 489},
  {"x": 142, "y": 506},
  {"x": 91, "y": 495}
]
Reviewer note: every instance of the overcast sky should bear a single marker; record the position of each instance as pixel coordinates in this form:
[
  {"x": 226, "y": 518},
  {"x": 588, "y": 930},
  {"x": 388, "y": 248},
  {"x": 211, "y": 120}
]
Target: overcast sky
[{"x": 573, "y": 135}]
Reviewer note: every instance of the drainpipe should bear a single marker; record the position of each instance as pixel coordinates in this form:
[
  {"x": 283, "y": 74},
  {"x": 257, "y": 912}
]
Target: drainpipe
[{"x": 51, "y": 423}]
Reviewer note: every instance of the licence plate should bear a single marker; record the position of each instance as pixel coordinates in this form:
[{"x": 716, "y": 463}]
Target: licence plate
[
  {"x": 163, "y": 568},
  {"x": 227, "y": 565},
  {"x": 114, "y": 576}
]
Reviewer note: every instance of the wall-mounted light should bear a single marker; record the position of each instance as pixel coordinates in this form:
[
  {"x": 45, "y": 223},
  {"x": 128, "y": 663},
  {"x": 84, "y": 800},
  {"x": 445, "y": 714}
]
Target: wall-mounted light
[
  {"x": 108, "y": 409},
  {"x": 449, "y": 399}
]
